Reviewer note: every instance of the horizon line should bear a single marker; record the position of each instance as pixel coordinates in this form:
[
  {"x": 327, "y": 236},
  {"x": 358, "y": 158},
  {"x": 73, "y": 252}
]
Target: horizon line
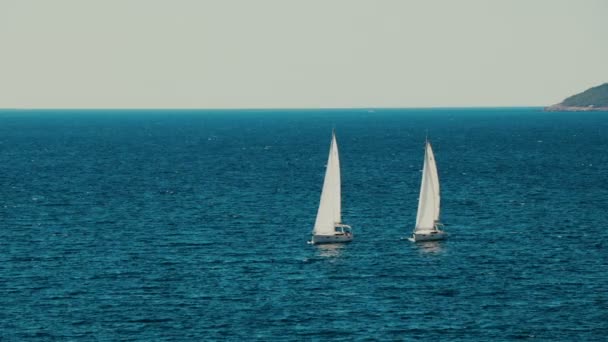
[{"x": 260, "y": 108}]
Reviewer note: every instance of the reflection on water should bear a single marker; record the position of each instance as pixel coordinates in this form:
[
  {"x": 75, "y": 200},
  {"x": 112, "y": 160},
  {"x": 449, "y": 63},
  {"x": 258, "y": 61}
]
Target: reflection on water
[
  {"x": 430, "y": 247},
  {"x": 330, "y": 250}
]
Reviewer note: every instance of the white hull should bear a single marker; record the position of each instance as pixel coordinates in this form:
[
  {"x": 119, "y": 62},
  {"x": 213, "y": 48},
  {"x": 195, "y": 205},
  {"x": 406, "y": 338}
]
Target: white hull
[
  {"x": 339, "y": 238},
  {"x": 430, "y": 236}
]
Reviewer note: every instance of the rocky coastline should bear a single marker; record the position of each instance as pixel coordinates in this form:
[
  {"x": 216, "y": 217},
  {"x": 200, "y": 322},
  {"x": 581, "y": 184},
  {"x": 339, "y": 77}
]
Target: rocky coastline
[{"x": 562, "y": 108}]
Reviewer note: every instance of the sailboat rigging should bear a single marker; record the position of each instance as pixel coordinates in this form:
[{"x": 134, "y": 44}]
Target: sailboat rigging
[
  {"x": 427, "y": 220},
  {"x": 328, "y": 224}
]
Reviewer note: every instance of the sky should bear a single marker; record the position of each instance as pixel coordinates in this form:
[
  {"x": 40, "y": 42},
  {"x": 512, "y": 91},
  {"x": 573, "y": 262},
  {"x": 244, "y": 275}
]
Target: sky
[{"x": 299, "y": 54}]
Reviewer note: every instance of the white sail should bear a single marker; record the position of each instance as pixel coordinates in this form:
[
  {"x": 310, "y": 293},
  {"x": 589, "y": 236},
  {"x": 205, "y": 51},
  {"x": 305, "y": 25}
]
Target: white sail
[
  {"x": 429, "y": 201},
  {"x": 330, "y": 206}
]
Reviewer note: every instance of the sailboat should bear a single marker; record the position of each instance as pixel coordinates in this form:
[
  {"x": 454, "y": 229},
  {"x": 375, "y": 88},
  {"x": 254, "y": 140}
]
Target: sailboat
[
  {"x": 328, "y": 225},
  {"x": 427, "y": 220}
]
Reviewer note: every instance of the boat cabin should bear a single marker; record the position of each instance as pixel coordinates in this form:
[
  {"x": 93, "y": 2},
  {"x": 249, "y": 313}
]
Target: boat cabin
[{"x": 342, "y": 229}]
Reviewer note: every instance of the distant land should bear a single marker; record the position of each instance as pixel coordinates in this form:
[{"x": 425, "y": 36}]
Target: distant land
[{"x": 593, "y": 99}]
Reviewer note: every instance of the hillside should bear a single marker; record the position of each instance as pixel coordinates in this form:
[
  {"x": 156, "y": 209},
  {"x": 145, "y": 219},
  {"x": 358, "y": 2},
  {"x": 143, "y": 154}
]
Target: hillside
[{"x": 593, "y": 99}]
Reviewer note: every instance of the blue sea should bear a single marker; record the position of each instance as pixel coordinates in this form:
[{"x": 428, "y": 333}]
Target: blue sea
[{"x": 192, "y": 226}]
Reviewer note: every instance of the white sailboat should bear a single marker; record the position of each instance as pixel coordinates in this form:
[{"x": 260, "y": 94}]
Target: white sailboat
[
  {"x": 427, "y": 221},
  {"x": 328, "y": 225}
]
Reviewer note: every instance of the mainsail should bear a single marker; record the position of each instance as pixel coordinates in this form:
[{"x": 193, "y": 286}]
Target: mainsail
[
  {"x": 429, "y": 201},
  {"x": 330, "y": 206}
]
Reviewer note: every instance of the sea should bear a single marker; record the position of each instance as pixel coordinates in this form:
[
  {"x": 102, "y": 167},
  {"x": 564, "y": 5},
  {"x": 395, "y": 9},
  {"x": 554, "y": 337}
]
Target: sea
[{"x": 192, "y": 225}]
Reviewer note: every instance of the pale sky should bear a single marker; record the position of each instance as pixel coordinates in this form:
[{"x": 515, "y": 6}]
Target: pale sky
[{"x": 293, "y": 54}]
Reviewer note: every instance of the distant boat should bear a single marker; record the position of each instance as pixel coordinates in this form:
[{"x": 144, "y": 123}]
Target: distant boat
[
  {"x": 427, "y": 221},
  {"x": 328, "y": 225}
]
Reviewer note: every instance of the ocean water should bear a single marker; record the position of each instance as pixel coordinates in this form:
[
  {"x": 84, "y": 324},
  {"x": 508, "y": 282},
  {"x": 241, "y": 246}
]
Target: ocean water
[{"x": 192, "y": 225}]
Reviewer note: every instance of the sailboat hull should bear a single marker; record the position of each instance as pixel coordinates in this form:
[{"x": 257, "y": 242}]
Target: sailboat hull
[
  {"x": 339, "y": 238},
  {"x": 431, "y": 236}
]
